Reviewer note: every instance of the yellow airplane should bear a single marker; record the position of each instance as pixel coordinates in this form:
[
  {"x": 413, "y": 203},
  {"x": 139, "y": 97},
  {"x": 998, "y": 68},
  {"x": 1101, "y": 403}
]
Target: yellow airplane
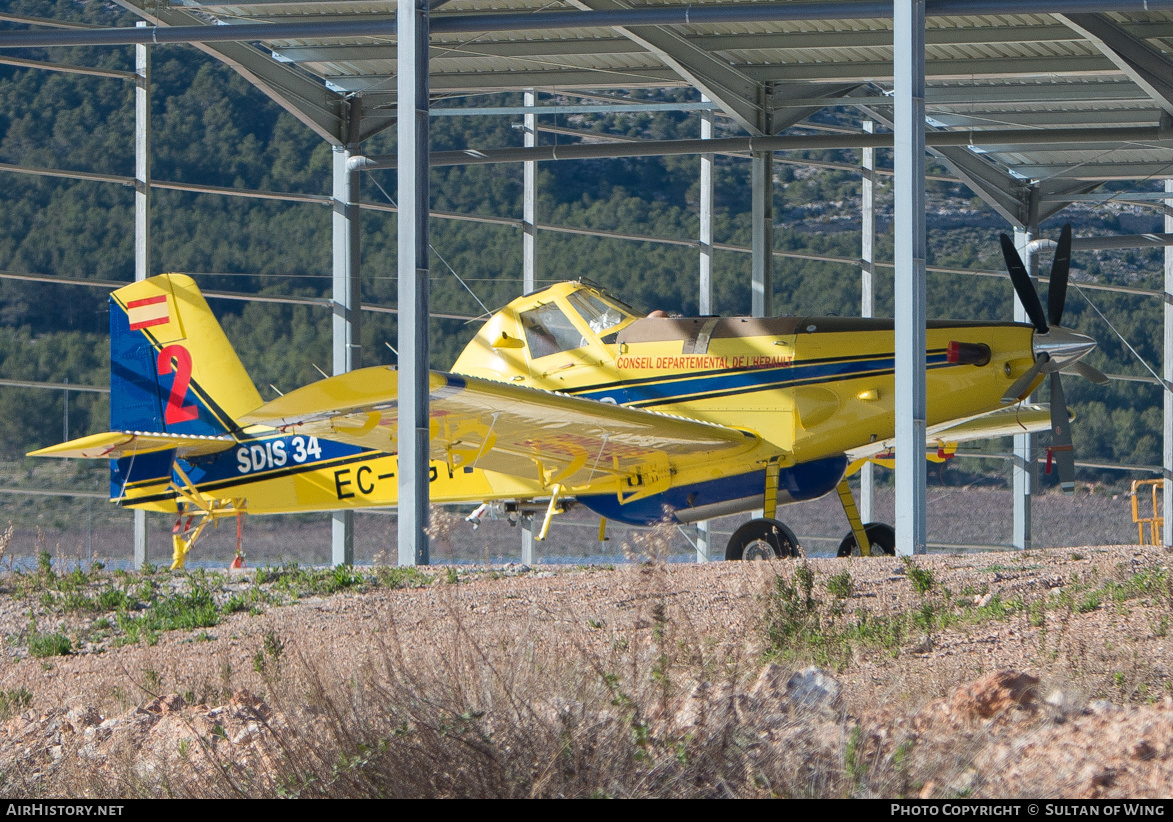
[{"x": 567, "y": 393}]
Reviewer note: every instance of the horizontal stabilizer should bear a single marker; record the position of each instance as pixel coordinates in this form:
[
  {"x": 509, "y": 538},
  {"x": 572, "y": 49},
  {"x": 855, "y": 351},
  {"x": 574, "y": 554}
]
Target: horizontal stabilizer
[{"x": 117, "y": 444}]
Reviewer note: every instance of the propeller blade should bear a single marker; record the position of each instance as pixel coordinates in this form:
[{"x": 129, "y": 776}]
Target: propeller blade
[
  {"x": 1088, "y": 372},
  {"x": 1018, "y": 390},
  {"x": 1023, "y": 286},
  {"x": 1057, "y": 292},
  {"x": 1061, "y": 443}
]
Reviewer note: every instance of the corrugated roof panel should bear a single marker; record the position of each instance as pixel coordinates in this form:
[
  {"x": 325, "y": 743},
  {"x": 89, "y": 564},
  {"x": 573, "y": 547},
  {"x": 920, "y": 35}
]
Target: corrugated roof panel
[{"x": 996, "y": 70}]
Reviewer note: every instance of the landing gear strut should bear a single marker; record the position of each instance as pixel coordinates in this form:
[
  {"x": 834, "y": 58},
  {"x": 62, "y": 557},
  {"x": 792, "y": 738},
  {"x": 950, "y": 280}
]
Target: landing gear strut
[{"x": 762, "y": 539}]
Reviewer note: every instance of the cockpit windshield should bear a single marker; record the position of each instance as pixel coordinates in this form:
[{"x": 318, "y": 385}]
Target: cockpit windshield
[
  {"x": 549, "y": 331},
  {"x": 599, "y": 315}
]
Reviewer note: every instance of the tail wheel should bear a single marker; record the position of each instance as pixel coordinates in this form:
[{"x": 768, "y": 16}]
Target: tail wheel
[
  {"x": 881, "y": 535},
  {"x": 762, "y": 539}
]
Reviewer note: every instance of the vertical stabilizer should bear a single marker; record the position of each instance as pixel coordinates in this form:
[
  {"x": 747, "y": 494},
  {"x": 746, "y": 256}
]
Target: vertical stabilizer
[{"x": 172, "y": 370}]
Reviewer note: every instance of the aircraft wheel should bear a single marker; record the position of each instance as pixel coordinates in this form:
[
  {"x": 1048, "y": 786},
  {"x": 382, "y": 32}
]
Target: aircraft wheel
[
  {"x": 881, "y": 535},
  {"x": 762, "y": 539}
]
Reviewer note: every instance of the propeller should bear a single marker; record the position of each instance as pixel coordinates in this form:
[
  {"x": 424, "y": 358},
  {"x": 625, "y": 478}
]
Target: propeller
[{"x": 1056, "y": 349}]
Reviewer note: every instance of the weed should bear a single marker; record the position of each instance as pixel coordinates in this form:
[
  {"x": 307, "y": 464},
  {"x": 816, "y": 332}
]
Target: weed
[
  {"x": 853, "y": 758},
  {"x": 270, "y": 651},
  {"x": 152, "y": 681},
  {"x": 922, "y": 579},
  {"x": 43, "y": 646},
  {"x": 450, "y": 575},
  {"x": 1090, "y": 602},
  {"x": 14, "y": 701},
  {"x": 841, "y": 585},
  {"x": 182, "y": 612},
  {"x": 925, "y": 617},
  {"x": 408, "y": 576}
]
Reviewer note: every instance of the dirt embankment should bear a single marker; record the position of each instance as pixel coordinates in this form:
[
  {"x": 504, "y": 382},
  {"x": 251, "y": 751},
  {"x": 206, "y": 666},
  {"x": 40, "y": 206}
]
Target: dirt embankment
[{"x": 1001, "y": 674}]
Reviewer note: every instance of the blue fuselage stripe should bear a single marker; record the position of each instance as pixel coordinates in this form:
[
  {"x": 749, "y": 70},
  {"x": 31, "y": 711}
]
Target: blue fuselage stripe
[{"x": 715, "y": 384}]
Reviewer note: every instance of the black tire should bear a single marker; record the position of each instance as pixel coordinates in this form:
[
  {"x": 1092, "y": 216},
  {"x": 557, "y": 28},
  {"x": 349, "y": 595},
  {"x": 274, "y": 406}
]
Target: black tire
[
  {"x": 881, "y": 535},
  {"x": 762, "y": 539}
]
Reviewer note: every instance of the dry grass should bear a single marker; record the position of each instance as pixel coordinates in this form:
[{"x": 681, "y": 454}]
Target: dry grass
[
  {"x": 657, "y": 711},
  {"x": 654, "y": 705}
]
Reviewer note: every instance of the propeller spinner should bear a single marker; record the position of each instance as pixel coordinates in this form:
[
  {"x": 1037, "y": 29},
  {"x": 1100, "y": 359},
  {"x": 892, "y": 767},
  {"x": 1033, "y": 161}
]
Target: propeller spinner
[{"x": 1055, "y": 348}]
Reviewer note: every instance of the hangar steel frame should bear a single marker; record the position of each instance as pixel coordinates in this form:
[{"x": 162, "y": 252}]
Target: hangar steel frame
[{"x": 1038, "y": 65}]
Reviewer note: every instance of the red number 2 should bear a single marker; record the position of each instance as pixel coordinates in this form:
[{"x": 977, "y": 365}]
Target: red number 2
[{"x": 176, "y": 411}]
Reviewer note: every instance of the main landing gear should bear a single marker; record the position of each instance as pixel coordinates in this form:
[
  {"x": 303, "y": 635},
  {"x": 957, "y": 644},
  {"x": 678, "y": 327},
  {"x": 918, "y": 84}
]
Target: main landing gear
[
  {"x": 762, "y": 539},
  {"x": 881, "y": 536},
  {"x": 767, "y": 538}
]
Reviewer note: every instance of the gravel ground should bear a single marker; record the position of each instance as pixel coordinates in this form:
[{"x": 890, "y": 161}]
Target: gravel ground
[{"x": 1090, "y": 623}]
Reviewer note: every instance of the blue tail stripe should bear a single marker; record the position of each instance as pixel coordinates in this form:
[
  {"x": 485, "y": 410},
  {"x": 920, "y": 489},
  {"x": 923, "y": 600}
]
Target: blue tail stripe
[{"x": 138, "y": 393}]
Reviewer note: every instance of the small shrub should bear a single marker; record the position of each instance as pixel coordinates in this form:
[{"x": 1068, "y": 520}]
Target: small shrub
[
  {"x": 922, "y": 579},
  {"x": 841, "y": 585},
  {"x": 43, "y": 646}
]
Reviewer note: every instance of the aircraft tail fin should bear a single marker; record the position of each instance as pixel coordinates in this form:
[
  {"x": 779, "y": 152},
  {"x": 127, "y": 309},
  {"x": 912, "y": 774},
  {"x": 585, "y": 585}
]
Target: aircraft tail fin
[{"x": 172, "y": 370}]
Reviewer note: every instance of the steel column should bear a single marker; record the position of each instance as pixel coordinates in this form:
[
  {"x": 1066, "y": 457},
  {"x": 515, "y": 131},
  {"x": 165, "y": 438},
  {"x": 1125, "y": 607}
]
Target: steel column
[
  {"x": 705, "y": 300},
  {"x": 909, "y": 212},
  {"x": 1167, "y": 373},
  {"x": 1023, "y": 465},
  {"x": 345, "y": 302},
  {"x": 142, "y": 219},
  {"x": 412, "y": 19},
  {"x": 705, "y": 284},
  {"x": 528, "y": 223},
  {"x": 867, "y": 474},
  {"x": 762, "y": 208}
]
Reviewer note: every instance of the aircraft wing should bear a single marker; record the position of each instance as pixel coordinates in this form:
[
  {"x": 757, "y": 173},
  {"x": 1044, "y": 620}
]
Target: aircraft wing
[
  {"x": 117, "y": 444},
  {"x": 1005, "y": 422},
  {"x": 476, "y": 423}
]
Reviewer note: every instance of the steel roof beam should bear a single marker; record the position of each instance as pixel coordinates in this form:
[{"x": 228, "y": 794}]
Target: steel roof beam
[
  {"x": 750, "y": 145},
  {"x": 1009, "y": 196},
  {"x": 1122, "y": 241},
  {"x": 783, "y": 114},
  {"x": 969, "y": 68},
  {"x": 737, "y": 94},
  {"x": 1115, "y": 90},
  {"x": 847, "y": 72},
  {"x": 1146, "y": 66},
  {"x": 66, "y": 69},
  {"x": 442, "y": 51},
  {"x": 678, "y": 15},
  {"x": 788, "y": 41},
  {"x": 42, "y": 21},
  {"x": 299, "y": 94},
  {"x": 1052, "y": 196},
  {"x": 1103, "y": 172},
  {"x": 515, "y": 80},
  {"x": 1034, "y": 118}
]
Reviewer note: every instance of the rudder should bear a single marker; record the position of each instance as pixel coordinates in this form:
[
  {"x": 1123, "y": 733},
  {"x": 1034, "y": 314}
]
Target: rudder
[{"x": 172, "y": 369}]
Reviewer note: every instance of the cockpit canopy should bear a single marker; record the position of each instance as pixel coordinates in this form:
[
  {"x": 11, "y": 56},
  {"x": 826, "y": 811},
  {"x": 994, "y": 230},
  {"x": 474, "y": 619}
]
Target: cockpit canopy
[
  {"x": 548, "y": 330},
  {"x": 562, "y": 318}
]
